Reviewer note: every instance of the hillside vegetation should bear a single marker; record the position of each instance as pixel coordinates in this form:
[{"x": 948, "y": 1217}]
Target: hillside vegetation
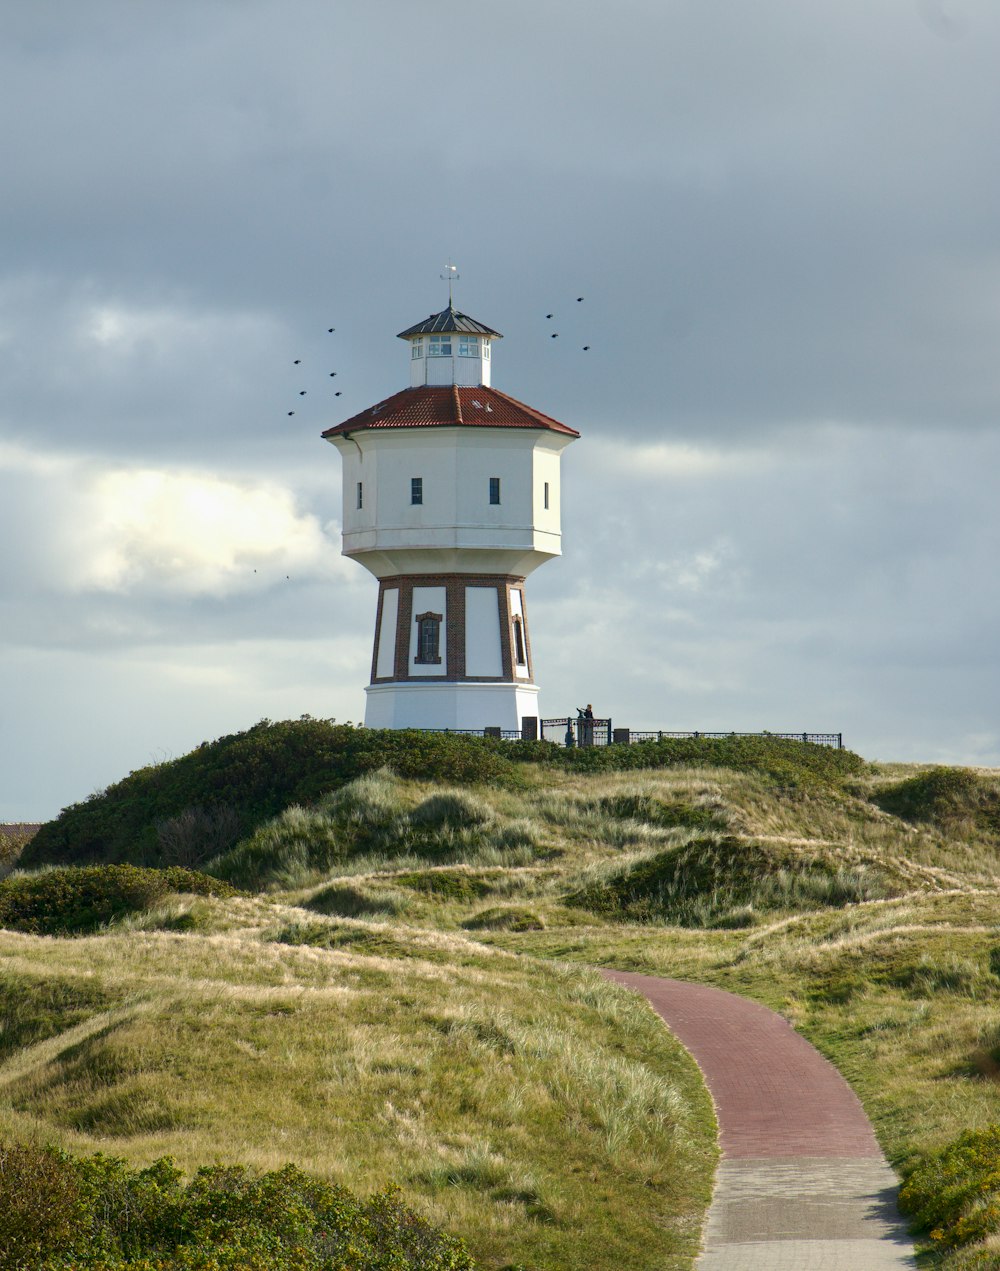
[{"x": 380, "y": 972}]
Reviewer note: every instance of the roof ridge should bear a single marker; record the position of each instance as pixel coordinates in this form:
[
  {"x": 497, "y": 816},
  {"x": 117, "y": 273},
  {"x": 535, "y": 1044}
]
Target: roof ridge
[{"x": 442, "y": 405}]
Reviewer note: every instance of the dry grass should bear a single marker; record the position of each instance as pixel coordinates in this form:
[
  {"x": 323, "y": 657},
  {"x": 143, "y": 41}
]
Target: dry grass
[
  {"x": 377, "y": 1019},
  {"x": 501, "y": 1093}
]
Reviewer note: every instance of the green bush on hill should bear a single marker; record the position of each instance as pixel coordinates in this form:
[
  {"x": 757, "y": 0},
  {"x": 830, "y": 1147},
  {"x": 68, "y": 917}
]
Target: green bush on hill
[
  {"x": 58, "y": 1212},
  {"x": 945, "y": 797},
  {"x": 954, "y": 1193},
  {"x": 788, "y": 762},
  {"x": 75, "y": 900},
  {"x": 367, "y": 817},
  {"x": 714, "y": 882},
  {"x": 236, "y": 783}
]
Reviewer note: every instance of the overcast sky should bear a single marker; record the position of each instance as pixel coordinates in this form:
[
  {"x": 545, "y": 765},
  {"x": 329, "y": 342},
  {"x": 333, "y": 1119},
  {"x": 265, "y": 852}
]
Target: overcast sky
[{"x": 784, "y": 219}]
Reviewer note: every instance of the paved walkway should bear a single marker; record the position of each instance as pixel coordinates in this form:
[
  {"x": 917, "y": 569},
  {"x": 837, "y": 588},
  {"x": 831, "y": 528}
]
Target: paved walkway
[{"x": 803, "y": 1184}]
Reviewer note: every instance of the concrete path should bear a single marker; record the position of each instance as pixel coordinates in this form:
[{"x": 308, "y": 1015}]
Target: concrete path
[{"x": 803, "y": 1184}]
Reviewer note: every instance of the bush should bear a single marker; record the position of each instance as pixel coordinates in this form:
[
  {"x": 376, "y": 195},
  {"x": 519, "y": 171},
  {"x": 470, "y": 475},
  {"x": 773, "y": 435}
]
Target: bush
[
  {"x": 511, "y": 918},
  {"x": 789, "y": 762},
  {"x": 720, "y": 882},
  {"x": 14, "y": 838},
  {"x": 668, "y": 813},
  {"x": 58, "y": 1212},
  {"x": 197, "y": 834},
  {"x": 944, "y": 797},
  {"x": 448, "y": 884},
  {"x": 954, "y": 1193},
  {"x": 255, "y": 775},
  {"x": 74, "y": 901},
  {"x": 367, "y": 817}
]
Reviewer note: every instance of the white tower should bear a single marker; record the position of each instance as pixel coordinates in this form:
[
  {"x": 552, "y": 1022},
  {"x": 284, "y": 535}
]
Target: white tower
[{"x": 451, "y": 498}]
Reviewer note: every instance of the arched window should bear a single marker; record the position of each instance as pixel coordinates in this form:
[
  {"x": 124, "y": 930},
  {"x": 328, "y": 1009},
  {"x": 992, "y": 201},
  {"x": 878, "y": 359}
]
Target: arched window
[
  {"x": 428, "y": 638},
  {"x": 519, "y": 656}
]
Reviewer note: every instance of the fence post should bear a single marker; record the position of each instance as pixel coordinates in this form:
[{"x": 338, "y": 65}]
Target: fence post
[{"x": 529, "y": 727}]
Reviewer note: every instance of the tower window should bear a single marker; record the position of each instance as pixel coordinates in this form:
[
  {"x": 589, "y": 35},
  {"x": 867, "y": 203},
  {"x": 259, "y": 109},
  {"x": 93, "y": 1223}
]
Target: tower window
[
  {"x": 546, "y": 496},
  {"x": 468, "y": 346},
  {"x": 416, "y": 489},
  {"x": 486, "y": 348},
  {"x": 519, "y": 657},
  {"x": 494, "y": 489},
  {"x": 440, "y": 346},
  {"x": 361, "y": 496},
  {"x": 428, "y": 638},
  {"x": 417, "y": 349}
]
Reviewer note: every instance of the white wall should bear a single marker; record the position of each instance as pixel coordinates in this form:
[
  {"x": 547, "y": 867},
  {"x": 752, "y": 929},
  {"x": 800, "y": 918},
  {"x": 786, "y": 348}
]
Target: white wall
[
  {"x": 385, "y": 662},
  {"x": 447, "y": 370},
  {"x": 429, "y": 600},
  {"x": 456, "y": 465},
  {"x": 482, "y": 632},
  {"x": 451, "y": 705}
]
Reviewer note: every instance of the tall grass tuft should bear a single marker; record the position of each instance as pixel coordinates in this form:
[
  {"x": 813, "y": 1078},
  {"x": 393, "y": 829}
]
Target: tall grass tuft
[{"x": 724, "y": 882}]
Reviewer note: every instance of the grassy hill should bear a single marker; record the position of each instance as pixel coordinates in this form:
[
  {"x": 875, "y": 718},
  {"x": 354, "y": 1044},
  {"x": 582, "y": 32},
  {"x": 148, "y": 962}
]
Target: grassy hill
[{"x": 380, "y": 971}]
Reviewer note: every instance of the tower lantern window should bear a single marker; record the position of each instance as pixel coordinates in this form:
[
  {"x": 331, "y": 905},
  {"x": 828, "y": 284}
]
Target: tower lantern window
[
  {"x": 468, "y": 346},
  {"x": 417, "y": 349},
  {"x": 440, "y": 346}
]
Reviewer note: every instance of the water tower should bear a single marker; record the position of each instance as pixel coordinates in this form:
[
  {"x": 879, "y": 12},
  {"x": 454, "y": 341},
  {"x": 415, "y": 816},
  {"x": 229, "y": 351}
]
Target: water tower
[{"x": 451, "y": 499}]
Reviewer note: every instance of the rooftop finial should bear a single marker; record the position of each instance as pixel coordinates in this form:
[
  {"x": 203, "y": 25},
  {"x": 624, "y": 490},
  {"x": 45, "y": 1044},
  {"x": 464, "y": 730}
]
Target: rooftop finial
[{"x": 452, "y": 275}]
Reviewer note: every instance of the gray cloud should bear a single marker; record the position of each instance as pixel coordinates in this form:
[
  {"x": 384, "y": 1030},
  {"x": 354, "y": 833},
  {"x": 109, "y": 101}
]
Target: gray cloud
[{"x": 784, "y": 220}]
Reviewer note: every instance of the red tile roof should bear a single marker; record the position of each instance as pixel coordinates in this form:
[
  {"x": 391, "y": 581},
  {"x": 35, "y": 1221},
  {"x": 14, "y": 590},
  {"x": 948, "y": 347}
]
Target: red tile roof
[{"x": 446, "y": 406}]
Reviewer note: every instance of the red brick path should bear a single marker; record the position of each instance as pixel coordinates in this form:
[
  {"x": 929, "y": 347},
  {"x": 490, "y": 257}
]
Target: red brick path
[{"x": 775, "y": 1095}]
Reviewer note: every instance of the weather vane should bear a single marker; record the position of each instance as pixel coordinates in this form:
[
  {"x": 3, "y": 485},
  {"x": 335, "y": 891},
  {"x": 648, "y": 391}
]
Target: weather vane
[{"x": 452, "y": 275}]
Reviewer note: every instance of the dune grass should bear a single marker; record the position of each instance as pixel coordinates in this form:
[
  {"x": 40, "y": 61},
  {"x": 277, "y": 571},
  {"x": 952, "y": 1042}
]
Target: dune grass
[
  {"x": 533, "y": 1109},
  {"x": 409, "y": 998}
]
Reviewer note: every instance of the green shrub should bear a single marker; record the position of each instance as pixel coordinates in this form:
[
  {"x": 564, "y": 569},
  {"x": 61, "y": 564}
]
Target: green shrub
[
  {"x": 252, "y": 777},
  {"x": 510, "y": 918},
  {"x": 343, "y": 901},
  {"x": 449, "y": 884},
  {"x": 58, "y": 1212},
  {"x": 73, "y": 901},
  {"x": 669, "y": 813},
  {"x": 14, "y": 838},
  {"x": 451, "y": 809},
  {"x": 944, "y": 797},
  {"x": 720, "y": 882},
  {"x": 368, "y": 817},
  {"x": 954, "y": 1193},
  {"x": 788, "y": 762}
]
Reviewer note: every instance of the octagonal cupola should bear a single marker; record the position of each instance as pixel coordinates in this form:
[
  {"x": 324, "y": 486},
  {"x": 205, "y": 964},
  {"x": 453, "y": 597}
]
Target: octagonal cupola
[{"x": 450, "y": 348}]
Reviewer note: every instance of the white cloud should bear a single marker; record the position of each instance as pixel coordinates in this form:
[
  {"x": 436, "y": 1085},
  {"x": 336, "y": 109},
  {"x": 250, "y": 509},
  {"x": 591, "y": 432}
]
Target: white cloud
[
  {"x": 160, "y": 532},
  {"x": 196, "y": 534}
]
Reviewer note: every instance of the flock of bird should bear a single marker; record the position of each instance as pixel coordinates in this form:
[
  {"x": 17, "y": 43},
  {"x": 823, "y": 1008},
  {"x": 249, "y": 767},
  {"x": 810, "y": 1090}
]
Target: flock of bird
[
  {"x": 332, "y": 374},
  {"x": 303, "y": 392},
  {"x": 555, "y": 334}
]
